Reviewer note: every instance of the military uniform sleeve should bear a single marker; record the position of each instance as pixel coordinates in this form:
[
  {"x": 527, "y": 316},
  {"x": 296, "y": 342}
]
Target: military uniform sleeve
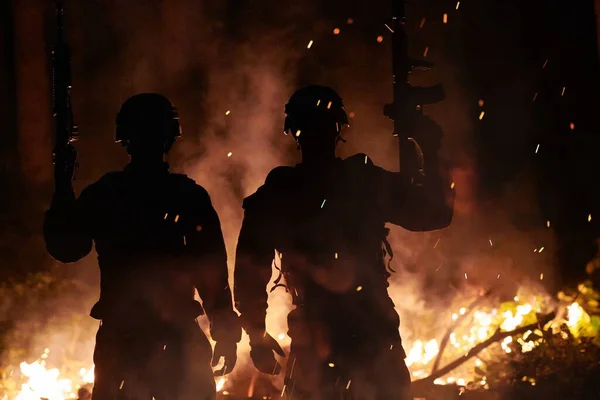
[
  {"x": 253, "y": 263},
  {"x": 212, "y": 277},
  {"x": 66, "y": 226},
  {"x": 424, "y": 207}
]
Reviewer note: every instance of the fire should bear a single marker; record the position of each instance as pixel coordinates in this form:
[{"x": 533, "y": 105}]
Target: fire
[
  {"x": 468, "y": 326},
  {"x": 42, "y": 382},
  {"x": 471, "y": 327}
]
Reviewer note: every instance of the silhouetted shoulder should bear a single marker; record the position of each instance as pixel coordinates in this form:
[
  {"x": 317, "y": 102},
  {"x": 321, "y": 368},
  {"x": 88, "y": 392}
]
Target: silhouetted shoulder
[
  {"x": 359, "y": 160},
  {"x": 279, "y": 179},
  {"x": 279, "y": 176},
  {"x": 102, "y": 187},
  {"x": 188, "y": 187}
]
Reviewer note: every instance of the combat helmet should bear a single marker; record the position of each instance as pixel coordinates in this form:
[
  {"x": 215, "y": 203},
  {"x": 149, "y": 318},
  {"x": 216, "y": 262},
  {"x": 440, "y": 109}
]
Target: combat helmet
[
  {"x": 314, "y": 106},
  {"x": 148, "y": 118}
]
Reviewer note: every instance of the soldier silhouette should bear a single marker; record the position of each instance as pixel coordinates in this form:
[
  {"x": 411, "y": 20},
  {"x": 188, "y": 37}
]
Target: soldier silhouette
[
  {"x": 158, "y": 237},
  {"x": 326, "y": 217}
]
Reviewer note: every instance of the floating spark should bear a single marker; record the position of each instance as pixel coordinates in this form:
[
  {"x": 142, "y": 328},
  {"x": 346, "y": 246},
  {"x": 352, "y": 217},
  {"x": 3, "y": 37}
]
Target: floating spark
[
  {"x": 379, "y": 39},
  {"x": 481, "y": 115},
  {"x": 229, "y": 154},
  {"x": 445, "y": 18},
  {"x": 480, "y": 103},
  {"x": 537, "y": 148},
  {"x": 426, "y": 51},
  {"x": 309, "y": 44},
  {"x": 336, "y": 31},
  {"x": 227, "y": 112},
  {"x": 323, "y": 204},
  {"x": 457, "y": 4}
]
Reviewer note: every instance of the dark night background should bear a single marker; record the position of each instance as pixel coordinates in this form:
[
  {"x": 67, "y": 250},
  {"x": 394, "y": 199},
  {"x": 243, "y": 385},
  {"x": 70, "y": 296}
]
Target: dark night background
[
  {"x": 249, "y": 56},
  {"x": 494, "y": 50}
]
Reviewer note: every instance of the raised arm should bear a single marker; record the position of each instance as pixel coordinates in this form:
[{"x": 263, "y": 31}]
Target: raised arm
[
  {"x": 422, "y": 206},
  {"x": 425, "y": 207},
  {"x": 66, "y": 229}
]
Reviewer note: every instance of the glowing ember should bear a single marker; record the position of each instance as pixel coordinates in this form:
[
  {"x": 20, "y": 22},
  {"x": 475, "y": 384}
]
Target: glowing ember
[
  {"x": 309, "y": 44},
  {"x": 445, "y": 18},
  {"x": 336, "y": 31},
  {"x": 379, "y": 39}
]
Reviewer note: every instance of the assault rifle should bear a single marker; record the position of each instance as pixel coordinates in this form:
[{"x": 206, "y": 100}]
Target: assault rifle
[
  {"x": 408, "y": 101},
  {"x": 65, "y": 130}
]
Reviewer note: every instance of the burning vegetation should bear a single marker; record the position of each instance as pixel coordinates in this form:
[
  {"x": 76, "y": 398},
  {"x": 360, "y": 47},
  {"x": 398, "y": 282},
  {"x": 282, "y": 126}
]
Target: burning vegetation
[{"x": 487, "y": 348}]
